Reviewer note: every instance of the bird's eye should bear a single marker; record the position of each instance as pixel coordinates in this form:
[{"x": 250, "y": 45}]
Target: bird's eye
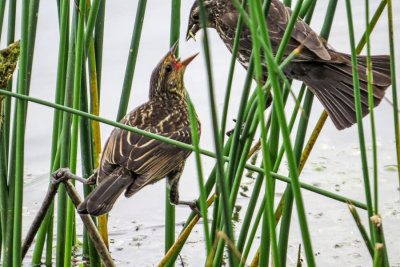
[
  {"x": 196, "y": 16},
  {"x": 168, "y": 68}
]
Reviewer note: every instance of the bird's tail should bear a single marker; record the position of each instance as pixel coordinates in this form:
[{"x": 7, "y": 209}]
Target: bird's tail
[
  {"x": 102, "y": 199},
  {"x": 332, "y": 83}
]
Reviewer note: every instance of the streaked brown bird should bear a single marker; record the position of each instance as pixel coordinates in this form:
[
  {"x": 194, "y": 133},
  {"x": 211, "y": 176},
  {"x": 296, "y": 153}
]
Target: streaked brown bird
[
  {"x": 326, "y": 72},
  {"x": 131, "y": 161}
]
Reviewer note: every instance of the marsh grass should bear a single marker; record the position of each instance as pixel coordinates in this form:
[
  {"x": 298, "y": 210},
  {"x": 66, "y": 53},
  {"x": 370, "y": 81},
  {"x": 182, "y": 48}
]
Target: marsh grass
[{"x": 76, "y": 110}]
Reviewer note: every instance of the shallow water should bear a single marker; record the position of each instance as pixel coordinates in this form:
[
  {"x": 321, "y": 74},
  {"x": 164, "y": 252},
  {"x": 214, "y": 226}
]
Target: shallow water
[{"x": 137, "y": 225}]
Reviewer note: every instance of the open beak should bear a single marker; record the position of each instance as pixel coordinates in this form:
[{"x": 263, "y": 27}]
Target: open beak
[
  {"x": 191, "y": 32},
  {"x": 189, "y": 59},
  {"x": 179, "y": 64}
]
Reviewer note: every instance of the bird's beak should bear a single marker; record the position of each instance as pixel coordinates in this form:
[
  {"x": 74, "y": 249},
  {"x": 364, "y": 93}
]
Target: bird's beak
[
  {"x": 188, "y": 60},
  {"x": 173, "y": 48},
  {"x": 191, "y": 32}
]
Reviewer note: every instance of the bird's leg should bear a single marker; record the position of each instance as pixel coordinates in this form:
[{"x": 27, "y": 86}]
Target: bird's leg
[
  {"x": 268, "y": 103},
  {"x": 64, "y": 174},
  {"x": 173, "y": 182}
]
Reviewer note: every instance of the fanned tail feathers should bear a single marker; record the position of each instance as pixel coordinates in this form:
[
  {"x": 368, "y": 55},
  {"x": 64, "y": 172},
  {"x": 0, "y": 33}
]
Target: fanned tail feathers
[{"x": 332, "y": 83}]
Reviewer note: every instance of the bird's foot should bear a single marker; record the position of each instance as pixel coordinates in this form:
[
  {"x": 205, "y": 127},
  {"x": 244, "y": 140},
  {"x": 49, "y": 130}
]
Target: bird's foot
[
  {"x": 64, "y": 174},
  {"x": 60, "y": 175},
  {"x": 92, "y": 180},
  {"x": 193, "y": 205},
  {"x": 230, "y": 132}
]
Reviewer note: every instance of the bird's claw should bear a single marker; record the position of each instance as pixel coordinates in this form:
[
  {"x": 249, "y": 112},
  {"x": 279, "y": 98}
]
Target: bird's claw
[
  {"x": 230, "y": 132},
  {"x": 60, "y": 175},
  {"x": 195, "y": 208}
]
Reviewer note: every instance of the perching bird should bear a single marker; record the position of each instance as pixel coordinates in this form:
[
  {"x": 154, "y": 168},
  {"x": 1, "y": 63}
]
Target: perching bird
[
  {"x": 131, "y": 161},
  {"x": 326, "y": 72}
]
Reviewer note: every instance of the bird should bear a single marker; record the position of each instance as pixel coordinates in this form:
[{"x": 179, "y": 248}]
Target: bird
[
  {"x": 325, "y": 71},
  {"x": 131, "y": 161}
]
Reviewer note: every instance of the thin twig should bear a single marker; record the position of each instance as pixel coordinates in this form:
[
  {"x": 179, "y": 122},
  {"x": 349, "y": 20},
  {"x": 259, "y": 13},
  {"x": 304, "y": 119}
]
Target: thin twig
[{"x": 52, "y": 191}]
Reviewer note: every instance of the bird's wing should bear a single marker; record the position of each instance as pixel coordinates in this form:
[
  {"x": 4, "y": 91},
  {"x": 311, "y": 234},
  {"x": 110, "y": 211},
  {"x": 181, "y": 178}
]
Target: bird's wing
[
  {"x": 278, "y": 19},
  {"x": 148, "y": 158}
]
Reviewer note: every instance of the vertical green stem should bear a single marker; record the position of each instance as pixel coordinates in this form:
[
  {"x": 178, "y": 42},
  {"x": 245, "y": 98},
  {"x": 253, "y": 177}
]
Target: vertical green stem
[
  {"x": 60, "y": 87},
  {"x": 394, "y": 84},
  {"x": 221, "y": 183},
  {"x": 371, "y": 107},
  {"x": 65, "y": 143},
  {"x": 359, "y": 120},
  {"x": 20, "y": 136},
  {"x": 169, "y": 208},
  {"x": 75, "y": 124},
  {"x": 8, "y": 238},
  {"x": 130, "y": 66}
]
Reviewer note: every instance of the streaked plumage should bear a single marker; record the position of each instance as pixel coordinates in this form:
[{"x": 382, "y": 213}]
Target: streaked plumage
[
  {"x": 326, "y": 72},
  {"x": 131, "y": 161}
]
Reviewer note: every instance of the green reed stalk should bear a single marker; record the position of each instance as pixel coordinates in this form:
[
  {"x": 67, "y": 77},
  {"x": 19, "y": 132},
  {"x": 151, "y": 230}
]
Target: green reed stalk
[
  {"x": 131, "y": 64},
  {"x": 236, "y": 155},
  {"x": 372, "y": 24},
  {"x": 208, "y": 187},
  {"x": 98, "y": 42},
  {"x": 203, "y": 193},
  {"x": 378, "y": 255},
  {"x": 169, "y": 208},
  {"x": 20, "y": 136},
  {"x": 9, "y": 155},
  {"x": 290, "y": 154},
  {"x": 2, "y": 9},
  {"x": 12, "y": 6},
  {"x": 235, "y": 48},
  {"x": 237, "y": 146},
  {"x": 33, "y": 19},
  {"x": 70, "y": 231},
  {"x": 287, "y": 3},
  {"x": 221, "y": 183},
  {"x": 361, "y": 228},
  {"x": 90, "y": 131},
  {"x": 91, "y": 21},
  {"x": 268, "y": 233},
  {"x": 89, "y": 250},
  {"x": 65, "y": 142},
  {"x": 257, "y": 186},
  {"x": 359, "y": 120},
  {"x": 253, "y": 231},
  {"x": 394, "y": 84},
  {"x": 57, "y": 118},
  {"x": 371, "y": 107},
  {"x": 299, "y": 143}
]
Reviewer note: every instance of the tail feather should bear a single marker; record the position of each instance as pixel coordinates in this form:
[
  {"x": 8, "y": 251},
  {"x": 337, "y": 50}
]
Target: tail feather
[
  {"x": 332, "y": 83},
  {"x": 102, "y": 199}
]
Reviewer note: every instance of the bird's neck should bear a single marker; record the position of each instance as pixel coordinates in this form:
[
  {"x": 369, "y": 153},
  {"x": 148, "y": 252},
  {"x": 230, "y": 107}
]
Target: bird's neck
[{"x": 168, "y": 96}]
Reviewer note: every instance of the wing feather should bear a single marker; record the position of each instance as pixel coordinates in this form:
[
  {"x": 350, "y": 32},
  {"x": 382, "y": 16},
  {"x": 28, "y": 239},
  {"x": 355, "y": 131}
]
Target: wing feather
[{"x": 147, "y": 158}]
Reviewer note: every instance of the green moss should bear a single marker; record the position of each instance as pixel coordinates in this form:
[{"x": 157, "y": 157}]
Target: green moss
[{"x": 8, "y": 62}]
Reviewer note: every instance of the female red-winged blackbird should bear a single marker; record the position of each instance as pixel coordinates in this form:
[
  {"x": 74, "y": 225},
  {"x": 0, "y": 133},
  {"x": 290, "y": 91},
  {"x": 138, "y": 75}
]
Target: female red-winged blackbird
[
  {"x": 131, "y": 161},
  {"x": 326, "y": 72}
]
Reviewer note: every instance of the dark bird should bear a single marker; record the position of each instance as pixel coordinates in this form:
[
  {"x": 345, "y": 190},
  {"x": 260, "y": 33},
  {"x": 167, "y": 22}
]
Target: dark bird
[
  {"x": 131, "y": 161},
  {"x": 326, "y": 72}
]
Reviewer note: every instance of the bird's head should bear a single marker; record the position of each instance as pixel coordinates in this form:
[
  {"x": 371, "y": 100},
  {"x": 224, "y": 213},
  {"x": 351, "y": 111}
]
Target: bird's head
[
  {"x": 167, "y": 77},
  {"x": 214, "y": 9}
]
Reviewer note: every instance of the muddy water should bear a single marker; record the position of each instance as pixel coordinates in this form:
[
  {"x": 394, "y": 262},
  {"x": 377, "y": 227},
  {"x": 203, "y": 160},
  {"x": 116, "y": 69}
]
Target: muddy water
[{"x": 136, "y": 225}]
